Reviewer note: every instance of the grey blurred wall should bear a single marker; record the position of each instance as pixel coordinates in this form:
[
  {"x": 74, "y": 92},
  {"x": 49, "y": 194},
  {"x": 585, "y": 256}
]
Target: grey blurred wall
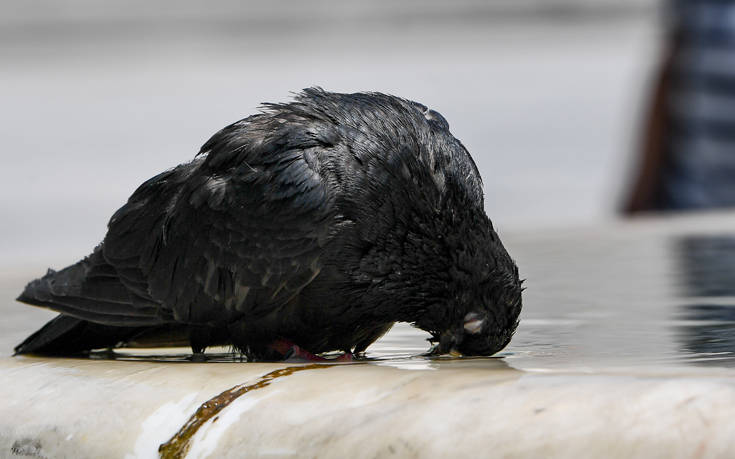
[{"x": 96, "y": 97}]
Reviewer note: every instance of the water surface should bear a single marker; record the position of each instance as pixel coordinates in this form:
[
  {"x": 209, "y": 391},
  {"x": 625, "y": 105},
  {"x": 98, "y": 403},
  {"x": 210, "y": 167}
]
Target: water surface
[{"x": 642, "y": 295}]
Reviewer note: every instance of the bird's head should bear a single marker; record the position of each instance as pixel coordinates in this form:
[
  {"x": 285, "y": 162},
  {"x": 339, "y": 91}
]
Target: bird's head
[
  {"x": 477, "y": 309},
  {"x": 485, "y": 329},
  {"x": 420, "y": 247},
  {"x": 454, "y": 279}
]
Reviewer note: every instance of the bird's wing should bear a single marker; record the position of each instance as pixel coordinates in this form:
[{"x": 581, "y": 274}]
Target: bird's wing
[{"x": 236, "y": 232}]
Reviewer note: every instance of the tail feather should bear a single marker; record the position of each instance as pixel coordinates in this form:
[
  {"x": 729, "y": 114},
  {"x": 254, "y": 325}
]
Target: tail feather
[
  {"x": 99, "y": 311},
  {"x": 87, "y": 290},
  {"x": 66, "y": 335}
]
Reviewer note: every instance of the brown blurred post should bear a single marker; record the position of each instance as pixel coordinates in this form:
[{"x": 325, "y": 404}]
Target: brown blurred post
[{"x": 647, "y": 184}]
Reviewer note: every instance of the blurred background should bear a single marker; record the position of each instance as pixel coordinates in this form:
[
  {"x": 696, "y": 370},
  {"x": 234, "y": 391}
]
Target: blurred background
[{"x": 549, "y": 96}]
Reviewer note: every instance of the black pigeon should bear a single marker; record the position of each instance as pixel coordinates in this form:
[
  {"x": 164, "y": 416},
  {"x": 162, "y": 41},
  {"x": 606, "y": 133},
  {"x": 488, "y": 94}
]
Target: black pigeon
[{"x": 313, "y": 225}]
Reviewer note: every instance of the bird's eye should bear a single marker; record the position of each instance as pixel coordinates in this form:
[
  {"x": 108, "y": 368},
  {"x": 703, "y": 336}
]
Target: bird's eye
[{"x": 473, "y": 323}]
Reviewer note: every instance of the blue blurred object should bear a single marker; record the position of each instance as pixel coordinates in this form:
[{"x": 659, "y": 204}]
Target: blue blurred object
[
  {"x": 697, "y": 164},
  {"x": 702, "y": 142}
]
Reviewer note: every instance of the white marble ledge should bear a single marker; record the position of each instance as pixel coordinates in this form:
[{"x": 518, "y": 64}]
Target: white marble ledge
[{"x": 59, "y": 408}]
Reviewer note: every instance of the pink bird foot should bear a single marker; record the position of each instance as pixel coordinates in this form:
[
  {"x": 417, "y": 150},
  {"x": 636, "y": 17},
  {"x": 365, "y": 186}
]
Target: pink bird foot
[{"x": 292, "y": 352}]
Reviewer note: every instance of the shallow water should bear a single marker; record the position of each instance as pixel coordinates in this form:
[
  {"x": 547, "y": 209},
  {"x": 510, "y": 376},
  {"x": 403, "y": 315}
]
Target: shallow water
[{"x": 655, "y": 293}]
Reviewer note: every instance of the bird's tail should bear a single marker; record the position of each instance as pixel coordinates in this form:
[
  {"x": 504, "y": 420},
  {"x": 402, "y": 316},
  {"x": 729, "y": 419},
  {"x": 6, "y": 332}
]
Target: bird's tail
[
  {"x": 96, "y": 309},
  {"x": 91, "y": 290},
  {"x": 67, "y": 335}
]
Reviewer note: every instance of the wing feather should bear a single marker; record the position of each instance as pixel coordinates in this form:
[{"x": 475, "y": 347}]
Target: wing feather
[{"x": 236, "y": 232}]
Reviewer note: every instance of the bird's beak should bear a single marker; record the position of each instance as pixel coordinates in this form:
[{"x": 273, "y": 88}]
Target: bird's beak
[{"x": 448, "y": 341}]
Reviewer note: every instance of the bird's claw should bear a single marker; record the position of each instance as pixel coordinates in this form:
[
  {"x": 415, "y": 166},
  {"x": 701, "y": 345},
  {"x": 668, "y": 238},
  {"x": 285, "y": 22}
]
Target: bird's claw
[
  {"x": 292, "y": 352},
  {"x": 346, "y": 357}
]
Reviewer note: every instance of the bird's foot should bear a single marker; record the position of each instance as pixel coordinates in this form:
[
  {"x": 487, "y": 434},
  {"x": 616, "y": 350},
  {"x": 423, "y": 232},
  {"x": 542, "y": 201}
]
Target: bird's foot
[
  {"x": 292, "y": 352},
  {"x": 345, "y": 357},
  {"x": 198, "y": 357}
]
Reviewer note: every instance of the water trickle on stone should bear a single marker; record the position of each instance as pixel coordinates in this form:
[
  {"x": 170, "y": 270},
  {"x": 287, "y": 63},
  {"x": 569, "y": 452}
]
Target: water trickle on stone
[{"x": 179, "y": 444}]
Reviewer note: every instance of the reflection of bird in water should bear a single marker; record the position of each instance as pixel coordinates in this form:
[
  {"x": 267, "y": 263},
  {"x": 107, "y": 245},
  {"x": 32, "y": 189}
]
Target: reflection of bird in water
[{"x": 312, "y": 226}]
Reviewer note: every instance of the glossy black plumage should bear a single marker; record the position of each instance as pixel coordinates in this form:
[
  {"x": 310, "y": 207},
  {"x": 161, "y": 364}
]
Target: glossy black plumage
[{"x": 321, "y": 221}]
